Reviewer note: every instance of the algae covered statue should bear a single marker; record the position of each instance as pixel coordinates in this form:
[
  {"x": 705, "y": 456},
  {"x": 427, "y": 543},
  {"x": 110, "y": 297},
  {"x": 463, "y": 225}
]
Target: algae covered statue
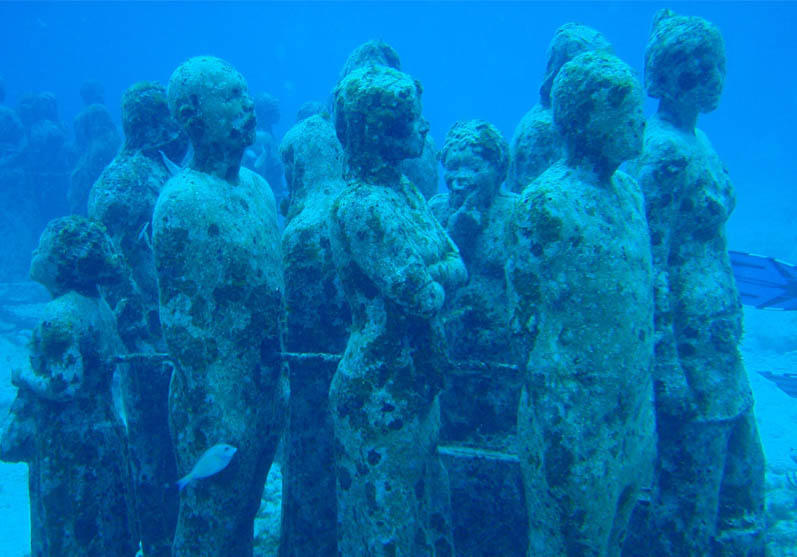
[
  {"x": 580, "y": 288},
  {"x": 475, "y": 157},
  {"x": 478, "y": 405},
  {"x": 536, "y": 143},
  {"x": 420, "y": 170},
  {"x": 64, "y": 423},
  {"x": 710, "y": 463},
  {"x": 123, "y": 199},
  {"x": 395, "y": 262},
  {"x": 217, "y": 257},
  {"x": 317, "y": 321}
]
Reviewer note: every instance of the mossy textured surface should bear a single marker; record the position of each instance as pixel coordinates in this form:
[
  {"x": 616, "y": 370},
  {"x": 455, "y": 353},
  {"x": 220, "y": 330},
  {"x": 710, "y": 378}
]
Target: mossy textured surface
[
  {"x": 217, "y": 255},
  {"x": 536, "y": 144},
  {"x": 709, "y": 493},
  {"x": 64, "y": 424},
  {"x": 317, "y": 320},
  {"x": 123, "y": 198},
  {"x": 580, "y": 290},
  {"x": 479, "y": 406},
  {"x": 394, "y": 261}
]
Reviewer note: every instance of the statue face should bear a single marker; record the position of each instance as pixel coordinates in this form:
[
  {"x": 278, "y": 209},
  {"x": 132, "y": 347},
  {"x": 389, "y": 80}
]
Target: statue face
[
  {"x": 467, "y": 172},
  {"x": 710, "y": 83},
  {"x": 627, "y": 142},
  {"x": 687, "y": 69},
  {"x": 232, "y": 116},
  {"x": 405, "y": 138}
]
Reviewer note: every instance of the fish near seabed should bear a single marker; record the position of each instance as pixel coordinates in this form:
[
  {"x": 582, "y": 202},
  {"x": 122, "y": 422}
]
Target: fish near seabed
[{"x": 212, "y": 461}]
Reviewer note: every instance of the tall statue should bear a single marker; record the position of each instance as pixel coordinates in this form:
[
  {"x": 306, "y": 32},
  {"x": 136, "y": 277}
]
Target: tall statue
[
  {"x": 709, "y": 496},
  {"x": 396, "y": 263},
  {"x": 218, "y": 261},
  {"x": 580, "y": 289}
]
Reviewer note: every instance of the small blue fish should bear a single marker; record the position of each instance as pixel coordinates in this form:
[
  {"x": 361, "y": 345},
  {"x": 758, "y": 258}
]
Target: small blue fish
[{"x": 213, "y": 461}]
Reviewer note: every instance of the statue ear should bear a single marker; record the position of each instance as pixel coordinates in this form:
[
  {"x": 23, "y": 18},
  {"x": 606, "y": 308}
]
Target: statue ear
[{"x": 188, "y": 117}]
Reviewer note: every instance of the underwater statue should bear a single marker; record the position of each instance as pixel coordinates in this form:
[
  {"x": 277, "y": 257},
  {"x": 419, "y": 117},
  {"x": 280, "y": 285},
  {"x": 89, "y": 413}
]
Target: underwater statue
[
  {"x": 422, "y": 171},
  {"x": 395, "y": 262},
  {"x": 580, "y": 288},
  {"x": 218, "y": 262},
  {"x": 49, "y": 156},
  {"x": 475, "y": 213},
  {"x": 317, "y": 325},
  {"x": 478, "y": 405},
  {"x": 710, "y": 468},
  {"x": 97, "y": 141},
  {"x": 64, "y": 424},
  {"x": 536, "y": 144},
  {"x": 123, "y": 199}
]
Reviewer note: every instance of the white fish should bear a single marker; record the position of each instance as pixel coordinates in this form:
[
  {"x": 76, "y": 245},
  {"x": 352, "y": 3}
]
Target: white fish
[
  {"x": 171, "y": 166},
  {"x": 213, "y": 461},
  {"x": 142, "y": 235}
]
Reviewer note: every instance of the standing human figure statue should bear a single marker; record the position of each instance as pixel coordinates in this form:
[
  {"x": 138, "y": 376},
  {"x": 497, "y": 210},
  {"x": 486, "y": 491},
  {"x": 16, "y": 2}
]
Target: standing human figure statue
[
  {"x": 478, "y": 405},
  {"x": 217, "y": 257},
  {"x": 475, "y": 212},
  {"x": 395, "y": 262},
  {"x": 580, "y": 289},
  {"x": 49, "y": 157},
  {"x": 64, "y": 423},
  {"x": 710, "y": 468},
  {"x": 317, "y": 322},
  {"x": 536, "y": 144},
  {"x": 123, "y": 199}
]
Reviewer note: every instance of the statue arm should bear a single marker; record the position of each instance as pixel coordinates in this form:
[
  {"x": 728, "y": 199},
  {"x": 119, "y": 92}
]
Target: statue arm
[
  {"x": 381, "y": 248},
  {"x": 450, "y": 271}
]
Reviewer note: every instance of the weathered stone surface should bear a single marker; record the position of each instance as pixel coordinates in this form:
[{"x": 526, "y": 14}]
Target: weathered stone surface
[
  {"x": 123, "y": 198},
  {"x": 708, "y": 439},
  {"x": 580, "y": 290},
  {"x": 422, "y": 171},
  {"x": 217, "y": 255},
  {"x": 536, "y": 143},
  {"x": 479, "y": 402},
  {"x": 395, "y": 262},
  {"x": 317, "y": 321},
  {"x": 63, "y": 421}
]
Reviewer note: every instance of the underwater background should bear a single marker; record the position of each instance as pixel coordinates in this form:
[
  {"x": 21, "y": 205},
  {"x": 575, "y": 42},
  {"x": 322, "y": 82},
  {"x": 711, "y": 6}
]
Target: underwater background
[{"x": 475, "y": 60}]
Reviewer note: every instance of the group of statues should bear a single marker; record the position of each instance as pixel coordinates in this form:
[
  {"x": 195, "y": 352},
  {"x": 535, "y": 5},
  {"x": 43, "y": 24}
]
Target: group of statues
[
  {"x": 44, "y": 173},
  {"x": 580, "y": 322}
]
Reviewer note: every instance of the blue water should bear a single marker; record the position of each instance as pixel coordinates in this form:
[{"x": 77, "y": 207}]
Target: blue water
[{"x": 475, "y": 60}]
